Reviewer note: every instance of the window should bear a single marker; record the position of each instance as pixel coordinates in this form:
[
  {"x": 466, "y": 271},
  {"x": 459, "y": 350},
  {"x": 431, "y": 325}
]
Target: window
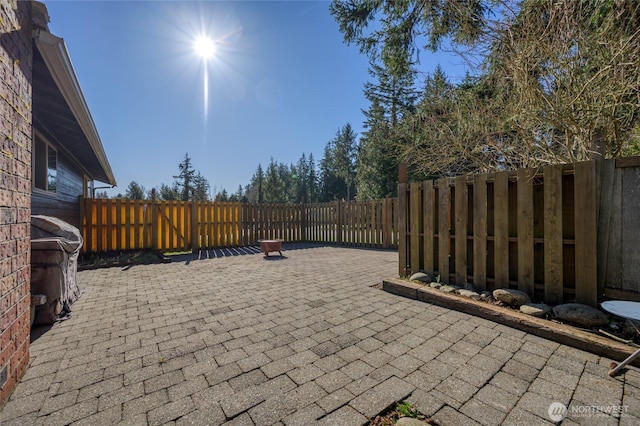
[{"x": 45, "y": 160}]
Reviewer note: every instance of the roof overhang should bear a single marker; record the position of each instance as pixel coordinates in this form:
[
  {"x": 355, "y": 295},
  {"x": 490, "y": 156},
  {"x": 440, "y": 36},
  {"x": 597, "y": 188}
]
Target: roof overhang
[{"x": 60, "y": 111}]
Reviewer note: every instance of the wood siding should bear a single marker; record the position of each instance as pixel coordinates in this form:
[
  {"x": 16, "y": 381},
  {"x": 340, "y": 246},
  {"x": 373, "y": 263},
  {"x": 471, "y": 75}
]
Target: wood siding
[{"x": 62, "y": 204}]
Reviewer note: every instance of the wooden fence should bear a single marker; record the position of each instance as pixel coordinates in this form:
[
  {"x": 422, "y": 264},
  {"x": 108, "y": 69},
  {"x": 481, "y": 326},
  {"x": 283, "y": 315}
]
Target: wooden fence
[
  {"x": 533, "y": 230},
  {"x": 121, "y": 224},
  {"x": 619, "y": 229}
]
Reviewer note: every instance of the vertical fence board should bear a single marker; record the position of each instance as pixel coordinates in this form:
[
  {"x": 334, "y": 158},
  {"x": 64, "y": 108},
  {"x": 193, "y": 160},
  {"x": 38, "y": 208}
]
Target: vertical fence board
[
  {"x": 480, "y": 231},
  {"x": 525, "y": 231},
  {"x": 99, "y": 227},
  {"x": 193, "y": 214},
  {"x": 428, "y": 227},
  {"x": 402, "y": 229},
  {"x": 137, "y": 224},
  {"x": 205, "y": 224},
  {"x": 414, "y": 219},
  {"x": 230, "y": 220},
  {"x": 386, "y": 223},
  {"x": 461, "y": 217},
  {"x": 501, "y": 229},
  {"x": 586, "y": 233},
  {"x": 109, "y": 226},
  {"x": 605, "y": 213},
  {"x": 169, "y": 218},
  {"x": 444, "y": 235},
  {"x": 553, "y": 274},
  {"x": 119, "y": 227},
  {"x": 128, "y": 215}
]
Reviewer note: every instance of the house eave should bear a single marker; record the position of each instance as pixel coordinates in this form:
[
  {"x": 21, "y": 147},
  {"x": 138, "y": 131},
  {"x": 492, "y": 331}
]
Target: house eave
[{"x": 58, "y": 62}]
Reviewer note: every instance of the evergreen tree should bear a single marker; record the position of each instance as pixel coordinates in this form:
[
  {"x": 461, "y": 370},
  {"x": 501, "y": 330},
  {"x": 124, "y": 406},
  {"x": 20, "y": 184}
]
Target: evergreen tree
[
  {"x": 201, "y": 188},
  {"x": 548, "y": 77},
  {"x": 255, "y": 188},
  {"x": 169, "y": 193},
  {"x": 377, "y": 166},
  {"x": 222, "y": 195},
  {"x": 186, "y": 178},
  {"x": 311, "y": 179},
  {"x": 240, "y": 195},
  {"x": 299, "y": 175},
  {"x": 135, "y": 191},
  {"x": 345, "y": 158},
  {"x": 274, "y": 187},
  {"x": 330, "y": 184}
]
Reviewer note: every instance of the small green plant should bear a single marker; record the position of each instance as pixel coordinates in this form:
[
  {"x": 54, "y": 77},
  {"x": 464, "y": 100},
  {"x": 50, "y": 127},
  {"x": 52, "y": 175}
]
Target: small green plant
[
  {"x": 407, "y": 410},
  {"x": 438, "y": 279}
]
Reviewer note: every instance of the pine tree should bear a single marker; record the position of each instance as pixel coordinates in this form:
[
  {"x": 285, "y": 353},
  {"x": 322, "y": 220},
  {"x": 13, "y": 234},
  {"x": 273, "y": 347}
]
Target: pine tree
[
  {"x": 186, "y": 178},
  {"x": 200, "y": 188},
  {"x": 169, "y": 193},
  {"x": 135, "y": 191},
  {"x": 312, "y": 181}
]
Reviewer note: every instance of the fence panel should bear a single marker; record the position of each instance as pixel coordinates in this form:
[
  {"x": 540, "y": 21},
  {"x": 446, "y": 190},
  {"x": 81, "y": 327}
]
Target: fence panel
[
  {"x": 524, "y": 230},
  {"x": 122, "y": 224},
  {"x": 618, "y": 220}
]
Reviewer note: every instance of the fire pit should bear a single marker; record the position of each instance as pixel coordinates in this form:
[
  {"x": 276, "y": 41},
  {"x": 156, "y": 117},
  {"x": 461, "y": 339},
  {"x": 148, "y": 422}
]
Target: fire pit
[{"x": 267, "y": 246}]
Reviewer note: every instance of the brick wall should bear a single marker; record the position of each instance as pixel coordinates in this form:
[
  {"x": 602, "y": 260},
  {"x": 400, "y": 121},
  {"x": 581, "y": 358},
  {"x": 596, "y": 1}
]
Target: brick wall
[{"x": 15, "y": 190}]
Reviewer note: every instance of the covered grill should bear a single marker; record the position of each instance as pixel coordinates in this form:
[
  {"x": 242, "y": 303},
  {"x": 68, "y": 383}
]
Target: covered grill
[{"x": 55, "y": 246}]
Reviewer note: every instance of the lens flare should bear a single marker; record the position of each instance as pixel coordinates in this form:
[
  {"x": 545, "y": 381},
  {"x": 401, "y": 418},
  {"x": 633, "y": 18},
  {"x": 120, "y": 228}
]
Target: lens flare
[{"x": 204, "y": 47}]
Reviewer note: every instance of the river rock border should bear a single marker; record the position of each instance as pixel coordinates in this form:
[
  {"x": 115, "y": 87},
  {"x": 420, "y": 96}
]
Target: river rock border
[{"x": 560, "y": 333}]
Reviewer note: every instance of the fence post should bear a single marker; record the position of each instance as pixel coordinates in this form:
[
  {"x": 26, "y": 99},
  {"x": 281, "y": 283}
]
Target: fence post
[
  {"x": 81, "y": 224},
  {"x": 586, "y": 233}
]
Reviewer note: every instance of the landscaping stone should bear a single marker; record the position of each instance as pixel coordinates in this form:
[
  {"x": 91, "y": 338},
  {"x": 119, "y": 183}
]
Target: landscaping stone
[
  {"x": 514, "y": 298},
  {"x": 421, "y": 276},
  {"x": 487, "y": 296},
  {"x": 581, "y": 315},
  {"x": 448, "y": 289},
  {"x": 539, "y": 310},
  {"x": 435, "y": 285},
  {"x": 469, "y": 293}
]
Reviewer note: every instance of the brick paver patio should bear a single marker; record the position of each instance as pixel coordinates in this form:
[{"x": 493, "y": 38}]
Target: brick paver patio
[{"x": 241, "y": 340}]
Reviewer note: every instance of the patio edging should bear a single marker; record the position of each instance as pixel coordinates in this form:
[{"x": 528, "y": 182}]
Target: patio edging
[{"x": 560, "y": 333}]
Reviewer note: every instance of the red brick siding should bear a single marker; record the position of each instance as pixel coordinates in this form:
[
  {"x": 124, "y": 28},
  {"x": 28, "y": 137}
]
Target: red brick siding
[{"x": 15, "y": 190}]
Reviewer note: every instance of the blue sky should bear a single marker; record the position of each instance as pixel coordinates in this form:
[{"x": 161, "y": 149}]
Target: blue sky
[{"x": 282, "y": 83}]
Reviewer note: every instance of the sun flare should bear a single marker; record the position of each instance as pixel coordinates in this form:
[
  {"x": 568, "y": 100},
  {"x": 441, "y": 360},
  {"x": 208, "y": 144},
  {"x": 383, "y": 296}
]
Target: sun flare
[{"x": 204, "y": 47}]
